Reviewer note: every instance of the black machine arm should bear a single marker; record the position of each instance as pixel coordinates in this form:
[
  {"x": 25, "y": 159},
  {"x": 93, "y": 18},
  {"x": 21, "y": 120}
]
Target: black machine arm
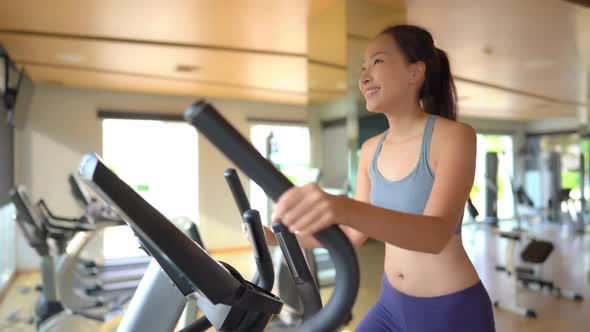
[
  {"x": 156, "y": 232},
  {"x": 265, "y": 274},
  {"x": 262, "y": 257},
  {"x": 78, "y": 190},
  {"x": 233, "y": 145},
  {"x": 185, "y": 262},
  {"x": 306, "y": 287},
  {"x": 51, "y": 222},
  {"x": 42, "y": 205},
  {"x": 29, "y": 221},
  {"x": 237, "y": 190},
  {"x": 24, "y": 207}
]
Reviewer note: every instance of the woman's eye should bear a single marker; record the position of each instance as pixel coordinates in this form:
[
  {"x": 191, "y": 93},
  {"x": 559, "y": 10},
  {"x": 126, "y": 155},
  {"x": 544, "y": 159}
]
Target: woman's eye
[{"x": 376, "y": 61}]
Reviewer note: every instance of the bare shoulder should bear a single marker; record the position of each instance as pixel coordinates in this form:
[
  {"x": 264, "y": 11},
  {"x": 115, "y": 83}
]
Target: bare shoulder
[
  {"x": 368, "y": 148},
  {"x": 370, "y": 144},
  {"x": 446, "y": 130}
]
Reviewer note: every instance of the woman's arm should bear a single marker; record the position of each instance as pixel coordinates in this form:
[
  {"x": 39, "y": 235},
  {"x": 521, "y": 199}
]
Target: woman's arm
[
  {"x": 363, "y": 194},
  {"x": 308, "y": 209}
]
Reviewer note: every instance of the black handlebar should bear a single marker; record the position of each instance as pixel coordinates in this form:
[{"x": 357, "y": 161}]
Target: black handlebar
[
  {"x": 264, "y": 276},
  {"x": 189, "y": 266},
  {"x": 29, "y": 221},
  {"x": 237, "y": 190},
  {"x": 156, "y": 233},
  {"x": 265, "y": 272},
  {"x": 234, "y": 146},
  {"x": 55, "y": 223},
  {"x": 78, "y": 190}
]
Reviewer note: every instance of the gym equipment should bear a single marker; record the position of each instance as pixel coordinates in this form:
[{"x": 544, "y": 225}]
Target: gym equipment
[
  {"x": 581, "y": 221},
  {"x": 293, "y": 312},
  {"x": 524, "y": 208},
  {"x": 227, "y": 300},
  {"x": 126, "y": 269},
  {"x": 233, "y": 181},
  {"x": 98, "y": 210},
  {"x": 534, "y": 254},
  {"x": 536, "y": 251},
  {"x": 30, "y": 224},
  {"x": 491, "y": 190},
  {"x": 551, "y": 167},
  {"x": 97, "y": 289},
  {"x": 70, "y": 299},
  {"x": 49, "y": 313},
  {"x": 234, "y": 146}
]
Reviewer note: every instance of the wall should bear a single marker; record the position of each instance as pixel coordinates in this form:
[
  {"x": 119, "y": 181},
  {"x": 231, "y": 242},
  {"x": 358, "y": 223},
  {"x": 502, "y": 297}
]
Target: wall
[
  {"x": 6, "y": 157},
  {"x": 62, "y": 125},
  {"x": 553, "y": 124},
  {"x": 334, "y": 160}
]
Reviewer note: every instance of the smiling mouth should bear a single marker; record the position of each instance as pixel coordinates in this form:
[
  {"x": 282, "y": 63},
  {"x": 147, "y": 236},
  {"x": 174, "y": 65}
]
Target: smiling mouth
[{"x": 371, "y": 92}]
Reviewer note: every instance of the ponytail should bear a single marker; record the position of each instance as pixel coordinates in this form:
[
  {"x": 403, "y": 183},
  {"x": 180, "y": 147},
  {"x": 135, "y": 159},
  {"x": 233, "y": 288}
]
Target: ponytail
[{"x": 438, "y": 93}]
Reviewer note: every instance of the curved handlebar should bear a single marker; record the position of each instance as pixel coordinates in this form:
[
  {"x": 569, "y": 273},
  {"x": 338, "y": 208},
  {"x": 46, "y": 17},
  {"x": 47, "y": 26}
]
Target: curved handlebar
[{"x": 234, "y": 146}]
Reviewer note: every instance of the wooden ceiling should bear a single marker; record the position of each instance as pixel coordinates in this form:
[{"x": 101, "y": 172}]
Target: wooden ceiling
[
  {"x": 251, "y": 49},
  {"x": 263, "y": 25},
  {"x": 511, "y": 59},
  {"x": 508, "y": 61}
]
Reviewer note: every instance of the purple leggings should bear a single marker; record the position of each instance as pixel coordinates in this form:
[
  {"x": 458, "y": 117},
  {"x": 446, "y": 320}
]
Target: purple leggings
[{"x": 468, "y": 310}]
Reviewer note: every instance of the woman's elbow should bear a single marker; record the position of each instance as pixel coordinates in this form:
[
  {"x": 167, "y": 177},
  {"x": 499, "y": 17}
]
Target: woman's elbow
[
  {"x": 439, "y": 243},
  {"x": 358, "y": 242},
  {"x": 436, "y": 249}
]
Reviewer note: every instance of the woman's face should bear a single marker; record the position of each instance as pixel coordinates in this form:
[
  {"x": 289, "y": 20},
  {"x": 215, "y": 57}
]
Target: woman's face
[{"x": 386, "y": 78}]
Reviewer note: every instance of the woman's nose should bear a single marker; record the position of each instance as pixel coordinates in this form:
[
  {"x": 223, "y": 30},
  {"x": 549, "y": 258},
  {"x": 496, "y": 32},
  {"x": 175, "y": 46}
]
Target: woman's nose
[{"x": 365, "y": 78}]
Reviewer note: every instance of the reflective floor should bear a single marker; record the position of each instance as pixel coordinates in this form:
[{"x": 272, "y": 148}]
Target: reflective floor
[{"x": 568, "y": 266}]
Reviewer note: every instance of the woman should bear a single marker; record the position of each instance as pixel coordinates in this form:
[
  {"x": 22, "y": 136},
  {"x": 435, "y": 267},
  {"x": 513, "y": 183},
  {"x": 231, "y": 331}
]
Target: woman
[{"x": 413, "y": 183}]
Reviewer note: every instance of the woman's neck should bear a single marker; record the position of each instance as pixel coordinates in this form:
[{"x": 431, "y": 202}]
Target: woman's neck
[{"x": 405, "y": 122}]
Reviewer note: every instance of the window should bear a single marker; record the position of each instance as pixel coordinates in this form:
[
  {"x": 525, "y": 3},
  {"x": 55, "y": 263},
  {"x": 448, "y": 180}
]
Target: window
[
  {"x": 7, "y": 243},
  {"x": 159, "y": 159},
  {"x": 288, "y": 147}
]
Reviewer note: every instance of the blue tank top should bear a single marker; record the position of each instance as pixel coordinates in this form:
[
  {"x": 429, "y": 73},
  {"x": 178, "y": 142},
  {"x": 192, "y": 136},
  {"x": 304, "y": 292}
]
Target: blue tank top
[{"x": 411, "y": 193}]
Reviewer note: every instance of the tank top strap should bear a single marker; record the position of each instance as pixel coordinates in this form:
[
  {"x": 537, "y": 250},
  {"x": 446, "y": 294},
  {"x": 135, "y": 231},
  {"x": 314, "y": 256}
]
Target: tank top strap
[
  {"x": 426, "y": 139},
  {"x": 378, "y": 150}
]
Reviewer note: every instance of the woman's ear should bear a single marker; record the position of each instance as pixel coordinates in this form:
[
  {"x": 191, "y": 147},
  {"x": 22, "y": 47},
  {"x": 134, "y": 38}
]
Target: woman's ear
[{"x": 418, "y": 72}]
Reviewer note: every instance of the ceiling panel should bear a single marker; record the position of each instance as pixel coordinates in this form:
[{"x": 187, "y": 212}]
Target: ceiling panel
[
  {"x": 367, "y": 18},
  {"x": 254, "y": 70},
  {"x": 476, "y": 100},
  {"x": 327, "y": 34},
  {"x": 268, "y": 25},
  {"x": 326, "y": 82},
  {"x": 528, "y": 46},
  {"x": 509, "y": 62},
  {"x": 117, "y": 81}
]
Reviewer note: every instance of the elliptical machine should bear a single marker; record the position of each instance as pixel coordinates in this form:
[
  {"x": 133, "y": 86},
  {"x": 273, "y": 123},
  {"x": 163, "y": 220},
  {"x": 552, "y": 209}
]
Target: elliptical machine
[
  {"x": 38, "y": 238},
  {"x": 71, "y": 298},
  {"x": 228, "y": 302}
]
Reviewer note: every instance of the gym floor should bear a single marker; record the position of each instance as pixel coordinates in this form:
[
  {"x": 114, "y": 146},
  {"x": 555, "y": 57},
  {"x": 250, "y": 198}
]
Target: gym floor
[{"x": 568, "y": 266}]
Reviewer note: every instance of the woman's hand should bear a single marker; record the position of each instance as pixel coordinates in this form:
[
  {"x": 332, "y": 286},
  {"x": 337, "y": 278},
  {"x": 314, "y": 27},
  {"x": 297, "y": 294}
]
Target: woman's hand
[
  {"x": 271, "y": 239},
  {"x": 308, "y": 209}
]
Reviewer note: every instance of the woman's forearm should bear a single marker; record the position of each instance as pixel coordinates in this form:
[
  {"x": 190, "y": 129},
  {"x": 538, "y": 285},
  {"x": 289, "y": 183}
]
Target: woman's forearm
[
  {"x": 310, "y": 242},
  {"x": 404, "y": 230}
]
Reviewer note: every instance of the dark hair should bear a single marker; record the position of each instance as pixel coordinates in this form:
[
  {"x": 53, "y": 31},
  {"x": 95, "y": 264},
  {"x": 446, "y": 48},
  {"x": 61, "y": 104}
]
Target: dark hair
[{"x": 438, "y": 93}]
